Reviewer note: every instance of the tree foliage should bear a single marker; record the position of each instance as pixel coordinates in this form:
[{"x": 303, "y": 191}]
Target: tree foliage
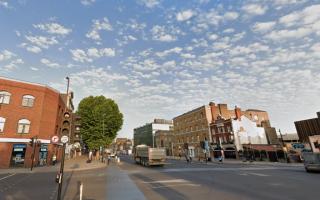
[{"x": 100, "y": 121}]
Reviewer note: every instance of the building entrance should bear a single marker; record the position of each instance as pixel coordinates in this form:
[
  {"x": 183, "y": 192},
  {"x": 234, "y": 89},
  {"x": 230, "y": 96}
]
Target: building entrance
[
  {"x": 43, "y": 154},
  {"x": 18, "y": 155}
]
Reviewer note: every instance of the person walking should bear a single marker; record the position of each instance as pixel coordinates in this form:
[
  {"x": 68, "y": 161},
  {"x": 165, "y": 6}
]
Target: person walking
[
  {"x": 186, "y": 155},
  {"x": 54, "y": 159},
  {"x": 90, "y": 156}
]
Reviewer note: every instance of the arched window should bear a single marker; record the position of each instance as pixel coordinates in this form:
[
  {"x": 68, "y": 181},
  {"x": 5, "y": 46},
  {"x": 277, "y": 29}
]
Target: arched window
[
  {"x": 23, "y": 126},
  {"x": 4, "y": 97},
  {"x": 27, "y": 100},
  {"x": 2, "y": 122}
]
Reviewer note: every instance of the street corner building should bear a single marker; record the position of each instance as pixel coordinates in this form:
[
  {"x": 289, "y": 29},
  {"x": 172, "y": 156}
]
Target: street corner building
[
  {"x": 29, "y": 110},
  {"x": 226, "y": 129}
]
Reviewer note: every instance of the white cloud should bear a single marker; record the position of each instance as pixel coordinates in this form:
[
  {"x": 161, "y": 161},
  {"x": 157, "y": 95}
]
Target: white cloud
[
  {"x": 289, "y": 34},
  {"x": 307, "y": 16},
  {"x": 150, "y": 3},
  {"x": 213, "y": 37},
  {"x": 91, "y": 54},
  {"x": 6, "y": 55},
  {"x": 49, "y": 63},
  {"x": 4, "y": 3},
  {"x": 87, "y": 2},
  {"x": 53, "y": 28},
  {"x": 42, "y": 41},
  {"x": 263, "y": 27},
  {"x": 185, "y": 15},
  {"x": 33, "y": 49},
  {"x": 160, "y": 33},
  {"x": 229, "y": 30},
  {"x": 169, "y": 51},
  {"x": 99, "y": 25},
  {"x": 231, "y": 15},
  {"x": 254, "y": 9}
]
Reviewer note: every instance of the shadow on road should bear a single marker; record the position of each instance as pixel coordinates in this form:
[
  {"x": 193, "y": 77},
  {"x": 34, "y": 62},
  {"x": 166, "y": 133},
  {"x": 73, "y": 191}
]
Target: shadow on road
[{"x": 161, "y": 189}]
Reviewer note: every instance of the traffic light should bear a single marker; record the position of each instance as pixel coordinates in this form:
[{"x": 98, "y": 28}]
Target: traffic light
[
  {"x": 66, "y": 123},
  {"x": 32, "y": 141}
]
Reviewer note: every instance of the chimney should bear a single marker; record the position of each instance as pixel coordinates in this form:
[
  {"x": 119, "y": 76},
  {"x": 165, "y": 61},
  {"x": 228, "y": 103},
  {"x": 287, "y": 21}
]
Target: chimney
[
  {"x": 213, "y": 110},
  {"x": 318, "y": 113},
  {"x": 237, "y": 111}
]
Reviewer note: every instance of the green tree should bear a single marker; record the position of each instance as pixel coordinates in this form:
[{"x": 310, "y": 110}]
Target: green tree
[{"x": 100, "y": 121}]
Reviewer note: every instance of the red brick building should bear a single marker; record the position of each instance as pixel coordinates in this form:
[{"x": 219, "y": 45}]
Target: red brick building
[{"x": 28, "y": 110}]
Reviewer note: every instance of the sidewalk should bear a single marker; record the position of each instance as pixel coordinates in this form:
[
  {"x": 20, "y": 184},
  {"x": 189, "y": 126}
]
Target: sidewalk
[
  {"x": 75, "y": 164},
  {"x": 233, "y": 161}
]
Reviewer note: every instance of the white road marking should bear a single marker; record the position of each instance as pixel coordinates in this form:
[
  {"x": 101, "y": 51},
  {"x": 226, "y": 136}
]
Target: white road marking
[
  {"x": 6, "y": 177},
  {"x": 177, "y": 185},
  {"x": 258, "y": 174},
  {"x": 169, "y": 181},
  {"x": 243, "y": 174}
]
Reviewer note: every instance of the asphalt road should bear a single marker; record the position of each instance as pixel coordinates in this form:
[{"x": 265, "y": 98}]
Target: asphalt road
[{"x": 178, "y": 180}]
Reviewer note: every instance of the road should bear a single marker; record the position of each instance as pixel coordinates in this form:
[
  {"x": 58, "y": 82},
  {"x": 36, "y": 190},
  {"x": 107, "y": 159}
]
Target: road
[{"x": 179, "y": 180}]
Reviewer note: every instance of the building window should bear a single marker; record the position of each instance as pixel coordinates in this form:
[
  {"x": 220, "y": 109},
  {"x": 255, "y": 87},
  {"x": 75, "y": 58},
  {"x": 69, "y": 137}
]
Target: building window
[
  {"x": 28, "y": 100},
  {"x": 4, "y": 97},
  {"x": 23, "y": 126},
  {"x": 2, "y": 122}
]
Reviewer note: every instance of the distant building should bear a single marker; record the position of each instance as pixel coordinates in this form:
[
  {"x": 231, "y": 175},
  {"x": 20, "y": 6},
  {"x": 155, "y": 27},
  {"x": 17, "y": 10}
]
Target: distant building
[
  {"x": 164, "y": 139},
  {"x": 29, "y": 110},
  {"x": 308, "y": 127},
  {"x": 122, "y": 145},
  {"x": 223, "y": 128},
  {"x": 145, "y": 134}
]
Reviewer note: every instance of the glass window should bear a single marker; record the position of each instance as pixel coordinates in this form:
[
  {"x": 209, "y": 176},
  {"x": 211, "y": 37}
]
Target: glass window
[
  {"x": 28, "y": 100},
  {"x": 4, "y": 97},
  {"x": 23, "y": 126},
  {"x": 2, "y": 122}
]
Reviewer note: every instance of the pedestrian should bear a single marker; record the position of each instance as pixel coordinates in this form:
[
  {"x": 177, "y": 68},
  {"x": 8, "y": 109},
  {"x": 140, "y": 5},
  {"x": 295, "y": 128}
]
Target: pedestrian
[
  {"x": 186, "y": 155},
  {"x": 90, "y": 156},
  {"x": 109, "y": 158},
  {"x": 54, "y": 159},
  {"x": 179, "y": 154}
]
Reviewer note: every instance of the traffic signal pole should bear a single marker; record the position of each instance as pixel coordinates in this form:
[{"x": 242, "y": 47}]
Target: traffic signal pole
[
  {"x": 61, "y": 172},
  {"x": 34, "y": 143}
]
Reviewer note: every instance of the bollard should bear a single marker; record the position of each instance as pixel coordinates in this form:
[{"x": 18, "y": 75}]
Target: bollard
[{"x": 81, "y": 190}]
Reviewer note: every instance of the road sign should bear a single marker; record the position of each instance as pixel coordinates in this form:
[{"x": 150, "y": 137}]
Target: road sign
[
  {"x": 64, "y": 139},
  {"x": 55, "y": 139}
]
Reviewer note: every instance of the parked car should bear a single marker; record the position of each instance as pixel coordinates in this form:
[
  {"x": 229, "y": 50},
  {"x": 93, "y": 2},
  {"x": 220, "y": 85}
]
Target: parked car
[{"x": 311, "y": 161}]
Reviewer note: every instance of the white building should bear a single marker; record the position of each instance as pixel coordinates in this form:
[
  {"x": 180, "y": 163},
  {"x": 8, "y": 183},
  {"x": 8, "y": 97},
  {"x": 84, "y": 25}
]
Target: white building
[{"x": 247, "y": 132}]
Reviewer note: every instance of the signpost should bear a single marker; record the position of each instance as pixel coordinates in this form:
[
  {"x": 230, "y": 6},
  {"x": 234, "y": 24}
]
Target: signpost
[
  {"x": 55, "y": 139},
  {"x": 64, "y": 139}
]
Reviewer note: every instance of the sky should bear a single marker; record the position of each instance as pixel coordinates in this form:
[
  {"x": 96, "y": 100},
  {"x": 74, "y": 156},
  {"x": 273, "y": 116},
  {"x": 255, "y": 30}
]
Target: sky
[{"x": 161, "y": 58}]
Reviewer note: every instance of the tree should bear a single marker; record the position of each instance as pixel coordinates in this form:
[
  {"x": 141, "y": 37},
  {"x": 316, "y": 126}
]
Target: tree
[{"x": 100, "y": 121}]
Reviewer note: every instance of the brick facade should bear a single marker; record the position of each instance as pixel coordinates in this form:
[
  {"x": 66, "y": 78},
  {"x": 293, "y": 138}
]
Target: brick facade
[{"x": 45, "y": 116}]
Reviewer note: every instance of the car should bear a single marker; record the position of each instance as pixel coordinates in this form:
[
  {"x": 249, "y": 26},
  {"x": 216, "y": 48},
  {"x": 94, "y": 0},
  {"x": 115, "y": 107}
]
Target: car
[{"x": 311, "y": 161}]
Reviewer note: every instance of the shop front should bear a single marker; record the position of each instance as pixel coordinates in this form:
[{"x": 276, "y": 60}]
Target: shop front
[{"x": 18, "y": 155}]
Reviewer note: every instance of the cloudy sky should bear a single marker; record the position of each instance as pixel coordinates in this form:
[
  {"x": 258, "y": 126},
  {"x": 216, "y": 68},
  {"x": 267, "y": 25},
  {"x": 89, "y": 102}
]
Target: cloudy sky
[{"x": 160, "y": 58}]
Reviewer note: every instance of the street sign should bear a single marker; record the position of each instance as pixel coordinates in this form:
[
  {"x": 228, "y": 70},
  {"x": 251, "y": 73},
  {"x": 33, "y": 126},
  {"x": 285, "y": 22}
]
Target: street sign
[
  {"x": 64, "y": 139},
  {"x": 55, "y": 139}
]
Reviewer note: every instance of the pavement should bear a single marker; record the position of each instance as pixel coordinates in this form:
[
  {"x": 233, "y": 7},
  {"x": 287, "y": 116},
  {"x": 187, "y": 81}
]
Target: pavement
[
  {"x": 75, "y": 164},
  {"x": 240, "y": 162}
]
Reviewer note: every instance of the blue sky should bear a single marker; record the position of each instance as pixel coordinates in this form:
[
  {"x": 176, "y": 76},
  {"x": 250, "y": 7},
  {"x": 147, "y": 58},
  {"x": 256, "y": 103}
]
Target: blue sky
[{"x": 160, "y": 58}]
